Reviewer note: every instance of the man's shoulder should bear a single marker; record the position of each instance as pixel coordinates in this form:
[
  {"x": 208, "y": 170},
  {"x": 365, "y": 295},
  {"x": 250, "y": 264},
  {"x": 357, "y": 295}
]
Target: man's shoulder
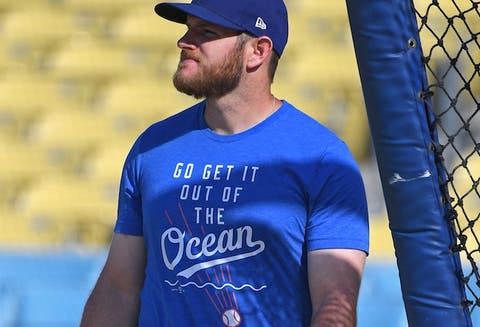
[
  {"x": 180, "y": 119},
  {"x": 302, "y": 124},
  {"x": 170, "y": 128}
]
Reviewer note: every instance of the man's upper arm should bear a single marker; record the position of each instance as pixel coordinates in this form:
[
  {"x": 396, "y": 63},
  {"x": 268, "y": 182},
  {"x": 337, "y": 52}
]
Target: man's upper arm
[
  {"x": 125, "y": 265},
  {"x": 334, "y": 277},
  {"x": 115, "y": 300}
]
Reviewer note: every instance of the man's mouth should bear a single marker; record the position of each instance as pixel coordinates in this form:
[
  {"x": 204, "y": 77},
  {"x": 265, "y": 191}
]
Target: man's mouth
[{"x": 186, "y": 57}]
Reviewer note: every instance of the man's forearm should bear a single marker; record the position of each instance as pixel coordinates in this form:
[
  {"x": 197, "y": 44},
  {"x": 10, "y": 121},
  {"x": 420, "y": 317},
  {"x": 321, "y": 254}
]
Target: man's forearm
[
  {"x": 107, "y": 307},
  {"x": 335, "y": 313},
  {"x": 335, "y": 277}
]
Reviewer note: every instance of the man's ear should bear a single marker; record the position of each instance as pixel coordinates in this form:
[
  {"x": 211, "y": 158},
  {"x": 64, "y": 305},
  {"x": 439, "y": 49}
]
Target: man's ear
[{"x": 261, "y": 48}]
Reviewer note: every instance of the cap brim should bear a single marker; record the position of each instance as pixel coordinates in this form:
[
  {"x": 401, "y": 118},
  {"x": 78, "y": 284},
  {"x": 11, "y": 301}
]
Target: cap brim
[{"x": 178, "y": 12}]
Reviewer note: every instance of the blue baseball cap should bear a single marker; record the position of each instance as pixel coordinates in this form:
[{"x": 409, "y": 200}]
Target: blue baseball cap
[{"x": 257, "y": 17}]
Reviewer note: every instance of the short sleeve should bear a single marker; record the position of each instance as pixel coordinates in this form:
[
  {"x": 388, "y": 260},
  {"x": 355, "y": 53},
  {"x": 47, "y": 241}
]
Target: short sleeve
[
  {"x": 339, "y": 214},
  {"x": 129, "y": 213}
]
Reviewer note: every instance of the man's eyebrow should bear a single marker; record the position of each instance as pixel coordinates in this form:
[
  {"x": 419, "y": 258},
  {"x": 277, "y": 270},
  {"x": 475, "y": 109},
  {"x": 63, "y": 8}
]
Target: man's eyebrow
[{"x": 199, "y": 24}]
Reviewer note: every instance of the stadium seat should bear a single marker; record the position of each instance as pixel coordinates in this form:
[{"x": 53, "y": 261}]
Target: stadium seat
[
  {"x": 322, "y": 22},
  {"x": 329, "y": 65},
  {"x": 100, "y": 14},
  {"x": 25, "y": 100},
  {"x": 95, "y": 61},
  {"x": 8, "y": 5},
  {"x": 381, "y": 242},
  {"x": 72, "y": 126},
  {"x": 18, "y": 58},
  {"x": 15, "y": 123},
  {"x": 66, "y": 136},
  {"x": 63, "y": 197},
  {"x": 20, "y": 164},
  {"x": 39, "y": 28},
  {"x": 143, "y": 34},
  {"x": 81, "y": 211},
  {"x": 141, "y": 102},
  {"x": 308, "y": 97},
  {"x": 103, "y": 7},
  {"x": 20, "y": 231},
  {"x": 142, "y": 27},
  {"x": 104, "y": 166},
  {"x": 30, "y": 90},
  {"x": 352, "y": 123}
]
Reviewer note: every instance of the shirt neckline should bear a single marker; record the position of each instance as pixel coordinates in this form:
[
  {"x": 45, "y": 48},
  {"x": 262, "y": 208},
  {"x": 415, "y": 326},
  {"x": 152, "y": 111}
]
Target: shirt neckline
[{"x": 237, "y": 136}]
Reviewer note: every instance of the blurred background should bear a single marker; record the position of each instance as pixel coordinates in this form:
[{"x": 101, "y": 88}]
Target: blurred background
[{"x": 79, "y": 80}]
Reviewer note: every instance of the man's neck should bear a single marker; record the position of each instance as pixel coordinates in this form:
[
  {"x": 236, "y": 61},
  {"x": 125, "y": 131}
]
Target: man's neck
[{"x": 233, "y": 115}]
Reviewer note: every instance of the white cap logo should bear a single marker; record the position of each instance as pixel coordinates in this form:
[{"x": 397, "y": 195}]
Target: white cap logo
[{"x": 260, "y": 23}]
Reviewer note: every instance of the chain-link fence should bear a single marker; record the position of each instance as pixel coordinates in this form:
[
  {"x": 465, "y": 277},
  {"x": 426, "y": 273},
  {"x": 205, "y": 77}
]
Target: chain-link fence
[{"x": 450, "y": 34}]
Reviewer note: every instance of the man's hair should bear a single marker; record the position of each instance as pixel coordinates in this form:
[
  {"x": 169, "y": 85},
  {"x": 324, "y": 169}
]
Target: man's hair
[{"x": 272, "y": 65}]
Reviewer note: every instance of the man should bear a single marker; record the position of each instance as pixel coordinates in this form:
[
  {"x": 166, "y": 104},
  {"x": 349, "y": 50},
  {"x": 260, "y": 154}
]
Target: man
[{"x": 238, "y": 211}]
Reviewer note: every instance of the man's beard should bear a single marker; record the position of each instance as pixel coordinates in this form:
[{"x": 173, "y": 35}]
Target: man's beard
[{"x": 212, "y": 81}]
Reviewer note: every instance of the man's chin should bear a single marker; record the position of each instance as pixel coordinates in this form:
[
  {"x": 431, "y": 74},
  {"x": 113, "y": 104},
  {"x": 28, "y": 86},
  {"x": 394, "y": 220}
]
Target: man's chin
[
  {"x": 184, "y": 86},
  {"x": 187, "y": 68}
]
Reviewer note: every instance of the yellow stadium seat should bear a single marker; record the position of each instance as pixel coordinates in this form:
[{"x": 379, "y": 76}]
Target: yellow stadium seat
[
  {"x": 25, "y": 97},
  {"x": 101, "y": 6},
  {"x": 142, "y": 33},
  {"x": 66, "y": 136},
  {"x": 31, "y": 5},
  {"x": 381, "y": 242},
  {"x": 18, "y": 231},
  {"x": 95, "y": 61},
  {"x": 351, "y": 123},
  {"x": 308, "y": 97},
  {"x": 20, "y": 159},
  {"x": 330, "y": 65},
  {"x": 38, "y": 27},
  {"x": 335, "y": 9},
  {"x": 20, "y": 165},
  {"x": 71, "y": 126},
  {"x": 16, "y": 123},
  {"x": 82, "y": 211},
  {"x": 148, "y": 40},
  {"x": 28, "y": 90},
  {"x": 105, "y": 165},
  {"x": 143, "y": 101},
  {"x": 18, "y": 58},
  {"x": 63, "y": 197},
  {"x": 317, "y": 22},
  {"x": 142, "y": 27}
]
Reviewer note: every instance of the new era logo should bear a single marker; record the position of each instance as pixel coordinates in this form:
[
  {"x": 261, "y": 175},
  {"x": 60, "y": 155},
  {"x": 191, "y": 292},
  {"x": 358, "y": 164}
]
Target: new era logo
[{"x": 260, "y": 23}]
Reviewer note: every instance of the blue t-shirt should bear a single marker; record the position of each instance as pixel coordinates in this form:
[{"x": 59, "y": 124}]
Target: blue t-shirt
[{"x": 228, "y": 219}]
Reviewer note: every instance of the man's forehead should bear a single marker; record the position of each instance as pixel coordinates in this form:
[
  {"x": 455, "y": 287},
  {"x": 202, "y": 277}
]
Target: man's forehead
[{"x": 193, "y": 21}]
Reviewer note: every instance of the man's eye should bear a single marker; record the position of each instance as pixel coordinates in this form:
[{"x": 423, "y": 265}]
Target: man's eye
[{"x": 210, "y": 33}]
